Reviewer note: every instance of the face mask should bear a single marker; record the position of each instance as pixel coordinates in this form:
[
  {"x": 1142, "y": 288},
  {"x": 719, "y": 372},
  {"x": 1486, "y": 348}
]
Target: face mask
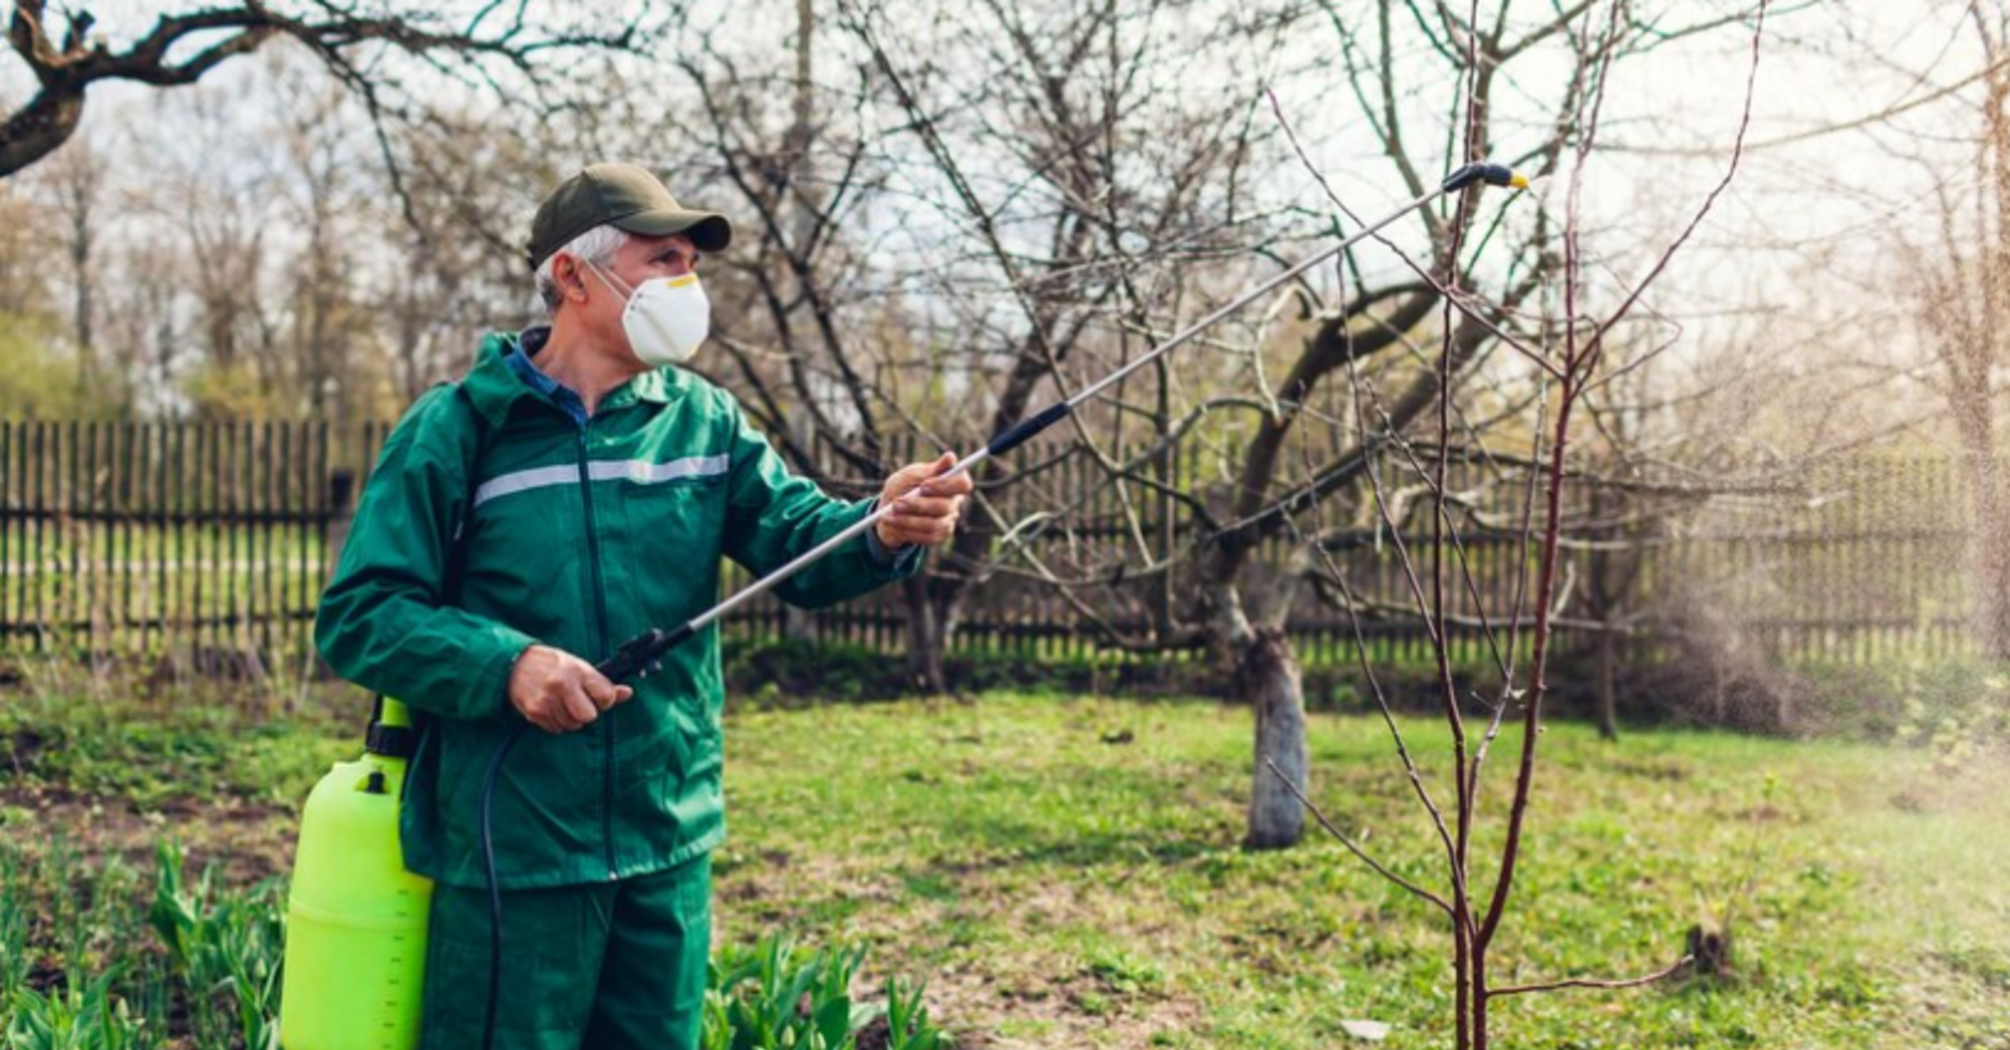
[{"x": 666, "y": 319}]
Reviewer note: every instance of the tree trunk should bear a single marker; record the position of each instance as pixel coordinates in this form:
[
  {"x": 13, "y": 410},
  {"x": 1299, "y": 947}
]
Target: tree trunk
[
  {"x": 1988, "y": 541},
  {"x": 926, "y": 638},
  {"x": 1267, "y": 678},
  {"x": 798, "y": 625},
  {"x": 34, "y": 132},
  {"x": 1599, "y": 588},
  {"x": 1997, "y": 584},
  {"x": 1608, "y": 688}
]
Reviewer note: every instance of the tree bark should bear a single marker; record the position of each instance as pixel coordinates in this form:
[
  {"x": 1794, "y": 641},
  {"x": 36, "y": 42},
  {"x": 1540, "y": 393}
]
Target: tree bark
[
  {"x": 1973, "y": 362},
  {"x": 1267, "y": 678},
  {"x": 1602, "y": 591},
  {"x": 41, "y": 126},
  {"x": 1988, "y": 539},
  {"x": 925, "y": 636},
  {"x": 1608, "y": 687},
  {"x": 1987, "y": 543}
]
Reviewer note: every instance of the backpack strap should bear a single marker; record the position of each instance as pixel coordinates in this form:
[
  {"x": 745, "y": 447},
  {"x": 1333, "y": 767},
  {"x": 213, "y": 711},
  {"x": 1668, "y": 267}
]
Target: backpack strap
[
  {"x": 398, "y": 734},
  {"x": 475, "y": 442}
]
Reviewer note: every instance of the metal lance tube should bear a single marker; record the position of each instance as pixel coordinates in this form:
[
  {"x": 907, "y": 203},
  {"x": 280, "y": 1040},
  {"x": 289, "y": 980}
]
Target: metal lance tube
[{"x": 639, "y": 655}]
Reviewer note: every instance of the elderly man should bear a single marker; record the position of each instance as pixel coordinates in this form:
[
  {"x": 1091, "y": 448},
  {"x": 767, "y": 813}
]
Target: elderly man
[{"x": 574, "y": 489}]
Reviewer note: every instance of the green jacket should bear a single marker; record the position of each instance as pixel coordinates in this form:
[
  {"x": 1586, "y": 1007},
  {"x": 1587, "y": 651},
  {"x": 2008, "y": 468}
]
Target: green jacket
[{"x": 577, "y": 536}]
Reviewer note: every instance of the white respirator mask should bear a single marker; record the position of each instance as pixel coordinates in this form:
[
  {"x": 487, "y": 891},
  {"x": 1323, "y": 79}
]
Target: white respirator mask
[{"x": 667, "y": 318}]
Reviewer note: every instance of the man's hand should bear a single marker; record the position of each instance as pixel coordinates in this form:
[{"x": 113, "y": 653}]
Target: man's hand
[
  {"x": 925, "y": 507},
  {"x": 559, "y": 692}
]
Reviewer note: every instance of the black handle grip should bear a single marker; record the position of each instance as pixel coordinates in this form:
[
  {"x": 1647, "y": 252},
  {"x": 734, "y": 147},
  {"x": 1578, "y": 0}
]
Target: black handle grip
[
  {"x": 1491, "y": 174},
  {"x": 1017, "y": 436},
  {"x": 640, "y": 655}
]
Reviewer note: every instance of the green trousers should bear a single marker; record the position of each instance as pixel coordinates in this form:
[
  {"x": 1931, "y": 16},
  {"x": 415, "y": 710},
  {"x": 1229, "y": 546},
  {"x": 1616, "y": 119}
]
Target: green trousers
[{"x": 606, "y": 966}]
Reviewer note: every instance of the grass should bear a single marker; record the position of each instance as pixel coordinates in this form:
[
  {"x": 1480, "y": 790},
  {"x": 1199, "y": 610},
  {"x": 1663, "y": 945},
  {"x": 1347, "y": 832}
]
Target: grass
[
  {"x": 1058, "y": 890},
  {"x": 1082, "y": 893}
]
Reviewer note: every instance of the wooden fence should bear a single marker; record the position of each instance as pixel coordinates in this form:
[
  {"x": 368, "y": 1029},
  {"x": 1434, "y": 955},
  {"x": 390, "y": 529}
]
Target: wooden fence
[
  {"x": 170, "y": 538},
  {"x": 201, "y": 543}
]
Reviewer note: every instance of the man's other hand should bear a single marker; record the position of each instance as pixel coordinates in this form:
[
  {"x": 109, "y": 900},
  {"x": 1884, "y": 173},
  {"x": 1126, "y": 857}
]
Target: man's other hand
[
  {"x": 925, "y": 505},
  {"x": 559, "y": 692}
]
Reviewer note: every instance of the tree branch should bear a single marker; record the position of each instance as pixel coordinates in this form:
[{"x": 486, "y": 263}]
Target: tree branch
[{"x": 1586, "y": 982}]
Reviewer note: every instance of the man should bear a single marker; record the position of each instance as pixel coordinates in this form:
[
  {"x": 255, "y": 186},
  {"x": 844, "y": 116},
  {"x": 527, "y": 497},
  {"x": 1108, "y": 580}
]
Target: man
[{"x": 574, "y": 489}]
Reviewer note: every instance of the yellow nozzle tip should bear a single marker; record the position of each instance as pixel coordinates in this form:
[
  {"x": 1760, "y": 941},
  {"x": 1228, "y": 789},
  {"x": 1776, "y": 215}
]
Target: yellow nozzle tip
[{"x": 1518, "y": 181}]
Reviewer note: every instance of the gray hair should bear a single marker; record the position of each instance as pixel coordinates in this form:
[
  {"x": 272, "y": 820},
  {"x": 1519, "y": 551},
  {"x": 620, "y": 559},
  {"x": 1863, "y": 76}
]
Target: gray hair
[{"x": 596, "y": 245}]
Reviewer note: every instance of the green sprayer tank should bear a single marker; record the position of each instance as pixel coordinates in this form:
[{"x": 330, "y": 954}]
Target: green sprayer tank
[{"x": 355, "y": 918}]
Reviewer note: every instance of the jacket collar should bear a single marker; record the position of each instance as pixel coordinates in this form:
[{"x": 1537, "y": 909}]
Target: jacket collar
[{"x": 493, "y": 387}]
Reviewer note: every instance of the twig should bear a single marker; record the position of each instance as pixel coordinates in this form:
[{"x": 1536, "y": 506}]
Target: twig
[
  {"x": 1350, "y": 844},
  {"x": 1586, "y": 982}
]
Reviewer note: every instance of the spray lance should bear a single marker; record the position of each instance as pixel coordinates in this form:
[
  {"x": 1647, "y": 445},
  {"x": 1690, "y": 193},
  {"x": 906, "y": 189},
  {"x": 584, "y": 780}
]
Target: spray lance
[{"x": 640, "y": 655}]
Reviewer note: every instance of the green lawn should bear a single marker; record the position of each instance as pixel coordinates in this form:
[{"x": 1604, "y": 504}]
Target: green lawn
[{"x": 1065, "y": 871}]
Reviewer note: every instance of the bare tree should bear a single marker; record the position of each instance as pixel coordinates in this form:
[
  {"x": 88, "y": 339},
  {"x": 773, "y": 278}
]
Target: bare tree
[
  {"x": 322, "y": 193},
  {"x": 802, "y": 175},
  {"x": 450, "y": 267},
  {"x": 1962, "y": 281},
  {"x": 78, "y": 185},
  {"x": 23, "y": 232},
  {"x": 230, "y": 246},
  {"x": 491, "y": 41},
  {"x": 1085, "y": 181},
  {"x": 1575, "y": 357}
]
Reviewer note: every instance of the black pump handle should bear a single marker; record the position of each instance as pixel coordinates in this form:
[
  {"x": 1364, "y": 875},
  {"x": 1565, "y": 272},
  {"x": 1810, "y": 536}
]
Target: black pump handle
[{"x": 643, "y": 653}]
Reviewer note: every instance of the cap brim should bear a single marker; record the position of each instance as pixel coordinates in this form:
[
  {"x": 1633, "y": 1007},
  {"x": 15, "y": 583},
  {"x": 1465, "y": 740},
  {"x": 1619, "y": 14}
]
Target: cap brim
[{"x": 709, "y": 230}]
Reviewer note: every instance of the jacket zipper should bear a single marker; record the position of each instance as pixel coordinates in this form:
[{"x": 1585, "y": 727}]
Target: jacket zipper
[{"x": 599, "y": 648}]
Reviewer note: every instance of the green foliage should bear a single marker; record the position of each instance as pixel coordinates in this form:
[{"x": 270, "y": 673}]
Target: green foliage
[
  {"x": 118, "y": 749},
  {"x": 226, "y": 949},
  {"x": 789, "y": 673},
  {"x": 908, "y": 1026},
  {"x": 777, "y": 997},
  {"x": 1956, "y": 725},
  {"x": 1956, "y": 708},
  {"x": 38, "y": 375},
  {"x": 14, "y": 903},
  {"x": 90, "y": 1018},
  {"x": 774, "y": 672},
  {"x": 228, "y": 394},
  {"x": 56, "y": 909},
  {"x": 222, "y": 949}
]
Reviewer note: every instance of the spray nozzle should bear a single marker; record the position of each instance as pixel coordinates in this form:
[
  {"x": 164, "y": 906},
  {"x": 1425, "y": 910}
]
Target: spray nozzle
[{"x": 1491, "y": 174}]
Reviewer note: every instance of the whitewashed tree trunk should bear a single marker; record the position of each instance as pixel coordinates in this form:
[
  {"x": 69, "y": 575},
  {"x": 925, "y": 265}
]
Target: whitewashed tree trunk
[{"x": 1267, "y": 677}]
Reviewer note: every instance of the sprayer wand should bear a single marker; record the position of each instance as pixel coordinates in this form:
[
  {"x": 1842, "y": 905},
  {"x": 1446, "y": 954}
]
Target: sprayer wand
[{"x": 640, "y": 655}]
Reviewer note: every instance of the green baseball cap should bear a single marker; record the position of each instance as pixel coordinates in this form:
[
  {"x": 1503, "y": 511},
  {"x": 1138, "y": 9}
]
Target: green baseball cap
[{"x": 626, "y": 196}]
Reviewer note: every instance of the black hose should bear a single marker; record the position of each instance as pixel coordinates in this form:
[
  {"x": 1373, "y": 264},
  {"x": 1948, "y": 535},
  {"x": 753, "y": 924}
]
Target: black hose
[
  {"x": 636, "y": 656},
  {"x": 495, "y": 891}
]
